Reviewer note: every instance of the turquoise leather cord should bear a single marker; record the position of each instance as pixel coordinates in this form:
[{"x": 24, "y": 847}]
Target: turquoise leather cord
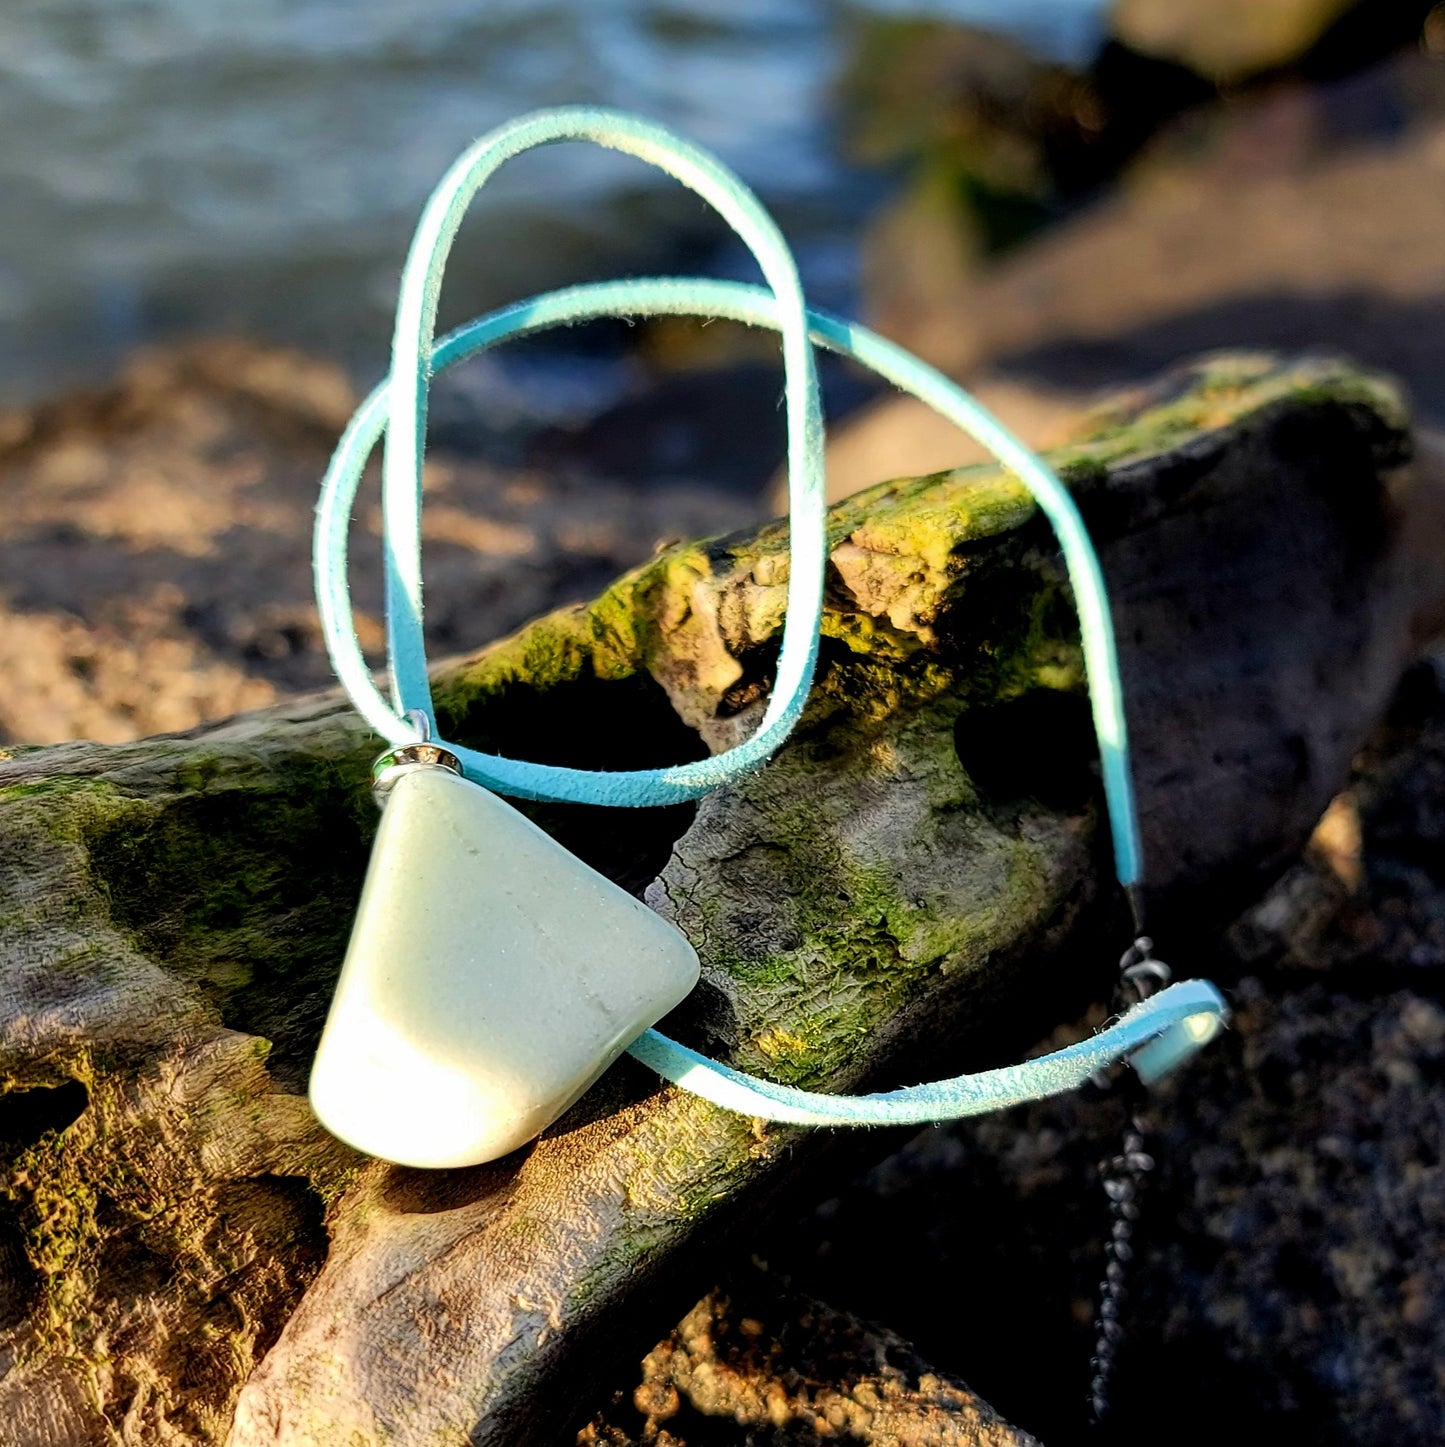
[
  {"x": 411, "y": 362},
  {"x": 1176, "y": 1015},
  {"x": 1156, "y": 1033}
]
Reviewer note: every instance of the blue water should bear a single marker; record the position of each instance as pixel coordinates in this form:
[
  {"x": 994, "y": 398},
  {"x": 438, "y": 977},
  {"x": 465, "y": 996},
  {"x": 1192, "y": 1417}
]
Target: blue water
[{"x": 255, "y": 165}]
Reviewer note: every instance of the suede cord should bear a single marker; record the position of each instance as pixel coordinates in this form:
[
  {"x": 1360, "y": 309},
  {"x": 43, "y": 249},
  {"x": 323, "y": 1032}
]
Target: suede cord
[{"x": 1154, "y": 1035}]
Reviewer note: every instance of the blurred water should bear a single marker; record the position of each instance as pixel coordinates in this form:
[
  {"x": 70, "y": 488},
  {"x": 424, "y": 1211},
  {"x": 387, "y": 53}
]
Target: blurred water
[{"x": 255, "y": 165}]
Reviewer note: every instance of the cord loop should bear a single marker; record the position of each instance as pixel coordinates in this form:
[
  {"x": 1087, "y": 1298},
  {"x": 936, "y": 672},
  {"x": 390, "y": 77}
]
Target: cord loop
[{"x": 1164, "y": 1028}]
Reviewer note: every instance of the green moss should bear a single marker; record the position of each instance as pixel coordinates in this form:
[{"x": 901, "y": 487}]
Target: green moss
[
  {"x": 872, "y": 945},
  {"x": 1230, "y": 391},
  {"x": 925, "y": 528},
  {"x": 236, "y": 868},
  {"x": 819, "y": 1046},
  {"x": 56, "y": 1191},
  {"x": 931, "y": 518},
  {"x": 233, "y": 880},
  {"x": 602, "y": 640},
  {"x": 57, "y": 788}
]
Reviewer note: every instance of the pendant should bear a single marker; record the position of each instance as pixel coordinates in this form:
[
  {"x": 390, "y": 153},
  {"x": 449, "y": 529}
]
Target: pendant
[{"x": 491, "y": 977}]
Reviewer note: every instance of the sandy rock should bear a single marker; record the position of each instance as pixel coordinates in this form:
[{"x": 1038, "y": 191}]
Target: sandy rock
[
  {"x": 1225, "y": 39},
  {"x": 786, "y": 1371},
  {"x": 1284, "y": 218},
  {"x": 155, "y": 543}
]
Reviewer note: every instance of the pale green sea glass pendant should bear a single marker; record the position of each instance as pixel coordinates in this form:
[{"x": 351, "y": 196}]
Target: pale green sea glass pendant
[{"x": 491, "y": 978}]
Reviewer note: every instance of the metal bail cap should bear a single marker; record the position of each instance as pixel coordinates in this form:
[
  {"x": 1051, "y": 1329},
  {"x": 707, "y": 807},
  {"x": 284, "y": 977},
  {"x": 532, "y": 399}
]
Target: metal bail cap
[{"x": 407, "y": 758}]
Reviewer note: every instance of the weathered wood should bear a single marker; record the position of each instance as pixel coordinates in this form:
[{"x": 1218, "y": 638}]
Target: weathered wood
[{"x": 172, "y": 914}]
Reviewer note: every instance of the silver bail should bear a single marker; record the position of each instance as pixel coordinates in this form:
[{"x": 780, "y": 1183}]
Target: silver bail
[{"x": 407, "y": 758}]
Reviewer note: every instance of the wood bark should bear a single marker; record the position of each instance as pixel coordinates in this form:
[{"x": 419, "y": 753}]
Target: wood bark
[{"x": 917, "y": 883}]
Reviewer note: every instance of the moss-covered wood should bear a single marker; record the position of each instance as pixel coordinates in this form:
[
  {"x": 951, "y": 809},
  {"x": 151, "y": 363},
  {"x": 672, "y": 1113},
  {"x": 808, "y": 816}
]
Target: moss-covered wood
[{"x": 185, "y": 1257}]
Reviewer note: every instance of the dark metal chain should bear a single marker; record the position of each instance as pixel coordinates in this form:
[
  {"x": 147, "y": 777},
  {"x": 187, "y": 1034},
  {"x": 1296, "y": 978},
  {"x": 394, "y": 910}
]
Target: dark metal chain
[{"x": 1123, "y": 1176}]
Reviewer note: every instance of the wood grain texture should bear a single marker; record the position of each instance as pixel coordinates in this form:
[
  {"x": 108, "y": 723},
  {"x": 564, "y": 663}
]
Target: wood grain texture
[{"x": 914, "y": 884}]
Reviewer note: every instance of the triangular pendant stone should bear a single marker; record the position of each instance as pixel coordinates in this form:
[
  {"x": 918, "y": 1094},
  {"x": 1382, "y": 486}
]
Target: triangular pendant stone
[{"x": 491, "y": 978}]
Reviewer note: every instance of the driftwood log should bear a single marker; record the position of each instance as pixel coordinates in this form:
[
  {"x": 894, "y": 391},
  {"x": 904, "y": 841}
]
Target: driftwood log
[{"x": 917, "y": 883}]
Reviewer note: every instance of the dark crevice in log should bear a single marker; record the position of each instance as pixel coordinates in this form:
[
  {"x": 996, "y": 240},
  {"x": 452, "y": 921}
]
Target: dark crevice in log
[
  {"x": 26, "y": 1115},
  {"x": 19, "y": 1281},
  {"x": 1039, "y": 746},
  {"x": 586, "y": 722}
]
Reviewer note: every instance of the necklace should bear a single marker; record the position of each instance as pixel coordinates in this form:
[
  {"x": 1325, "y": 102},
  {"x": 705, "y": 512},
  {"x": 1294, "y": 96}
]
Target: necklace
[{"x": 491, "y": 976}]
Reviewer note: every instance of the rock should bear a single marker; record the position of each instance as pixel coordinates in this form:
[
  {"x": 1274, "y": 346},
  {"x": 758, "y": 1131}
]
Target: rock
[
  {"x": 991, "y": 142},
  {"x": 890, "y": 896},
  {"x": 698, "y": 426},
  {"x": 789, "y": 1370},
  {"x": 1289, "y": 219},
  {"x": 1225, "y": 39}
]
